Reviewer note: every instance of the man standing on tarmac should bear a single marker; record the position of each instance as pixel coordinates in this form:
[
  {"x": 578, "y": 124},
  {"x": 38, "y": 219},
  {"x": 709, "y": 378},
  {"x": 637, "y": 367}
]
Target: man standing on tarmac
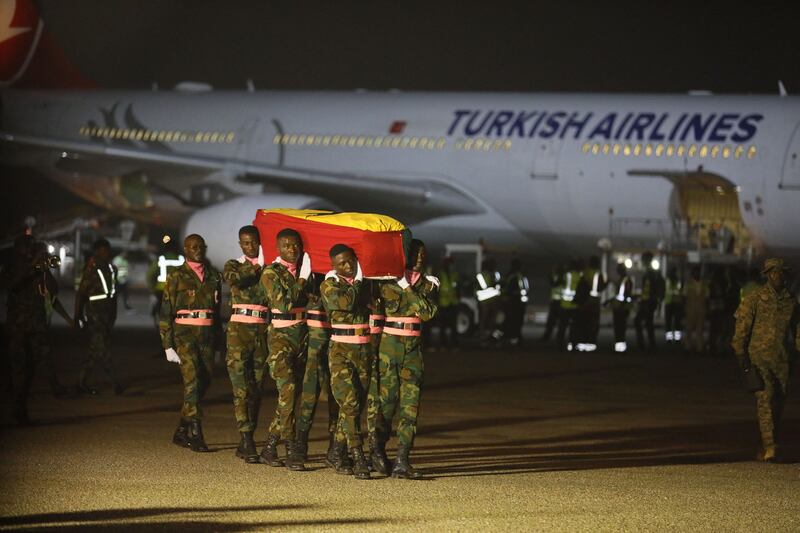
[
  {"x": 284, "y": 284},
  {"x": 516, "y": 291},
  {"x": 765, "y": 319},
  {"x": 190, "y": 328},
  {"x": 649, "y": 299},
  {"x": 621, "y": 308},
  {"x": 346, "y": 300},
  {"x": 408, "y": 302},
  {"x": 247, "y": 338},
  {"x": 317, "y": 375},
  {"x": 96, "y": 307}
]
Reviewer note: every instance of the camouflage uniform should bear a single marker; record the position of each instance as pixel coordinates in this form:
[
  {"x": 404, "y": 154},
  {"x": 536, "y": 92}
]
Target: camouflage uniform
[
  {"x": 98, "y": 285},
  {"x": 763, "y": 320},
  {"x": 287, "y": 345},
  {"x": 246, "y": 340},
  {"x": 317, "y": 375},
  {"x": 350, "y": 363},
  {"x": 400, "y": 362},
  {"x": 377, "y": 318},
  {"x": 194, "y": 343},
  {"x": 26, "y": 317}
]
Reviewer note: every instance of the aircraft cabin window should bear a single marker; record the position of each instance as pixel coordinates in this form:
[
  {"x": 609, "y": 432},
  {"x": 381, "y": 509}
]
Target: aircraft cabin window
[
  {"x": 751, "y": 152},
  {"x": 738, "y": 152}
]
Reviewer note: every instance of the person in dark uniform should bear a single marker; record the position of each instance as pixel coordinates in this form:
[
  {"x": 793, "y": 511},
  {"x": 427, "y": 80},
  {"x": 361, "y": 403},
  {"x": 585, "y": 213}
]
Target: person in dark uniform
[
  {"x": 516, "y": 290},
  {"x": 96, "y": 307},
  {"x": 649, "y": 300}
]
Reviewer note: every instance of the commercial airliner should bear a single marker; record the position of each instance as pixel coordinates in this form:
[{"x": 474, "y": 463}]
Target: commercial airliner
[{"x": 541, "y": 174}]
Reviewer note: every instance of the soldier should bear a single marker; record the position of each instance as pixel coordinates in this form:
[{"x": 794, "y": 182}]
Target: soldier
[
  {"x": 96, "y": 307},
  {"x": 317, "y": 376},
  {"x": 29, "y": 285},
  {"x": 764, "y": 320},
  {"x": 516, "y": 291},
  {"x": 190, "y": 329},
  {"x": 346, "y": 301},
  {"x": 621, "y": 308},
  {"x": 408, "y": 302},
  {"x": 247, "y": 338},
  {"x": 696, "y": 296},
  {"x": 378, "y": 461},
  {"x": 284, "y": 284},
  {"x": 649, "y": 300}
]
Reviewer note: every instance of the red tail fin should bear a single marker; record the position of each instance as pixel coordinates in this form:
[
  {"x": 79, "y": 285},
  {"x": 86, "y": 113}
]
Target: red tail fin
[{"x": 29, "y": 56}]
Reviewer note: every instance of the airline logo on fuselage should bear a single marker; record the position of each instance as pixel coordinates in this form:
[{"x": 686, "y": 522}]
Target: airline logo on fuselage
[{"x": 626, "y": 126}]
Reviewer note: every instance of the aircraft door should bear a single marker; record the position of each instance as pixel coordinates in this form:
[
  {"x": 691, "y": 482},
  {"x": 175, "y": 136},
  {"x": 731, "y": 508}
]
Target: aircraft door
[
  {"x": 545, "y": 159},
  {"x": 791, "y": 165}
]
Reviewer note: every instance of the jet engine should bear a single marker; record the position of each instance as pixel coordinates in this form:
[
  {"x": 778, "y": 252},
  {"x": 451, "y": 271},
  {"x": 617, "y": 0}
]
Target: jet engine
[{"x": 219, "y": 224}]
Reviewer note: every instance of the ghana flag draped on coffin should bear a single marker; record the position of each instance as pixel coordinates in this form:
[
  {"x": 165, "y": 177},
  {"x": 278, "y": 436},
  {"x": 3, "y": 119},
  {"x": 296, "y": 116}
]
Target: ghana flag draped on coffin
[{"x": 380, "y": 241}]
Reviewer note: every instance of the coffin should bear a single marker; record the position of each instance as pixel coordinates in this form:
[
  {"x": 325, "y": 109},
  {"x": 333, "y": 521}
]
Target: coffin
[{"x": 380, "y": 241}]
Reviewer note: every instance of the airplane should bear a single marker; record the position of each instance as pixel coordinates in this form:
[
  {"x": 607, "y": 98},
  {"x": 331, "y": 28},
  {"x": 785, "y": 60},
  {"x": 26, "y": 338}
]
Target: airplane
[{"x": 545, "y": 175}]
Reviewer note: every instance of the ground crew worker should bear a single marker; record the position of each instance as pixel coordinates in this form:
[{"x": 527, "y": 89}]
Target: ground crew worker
[
  {"x": 517, "y": 293},
  {"x": 649, "y": 300},
  {"x": 764, "y": 320},
  {"x": 488, "y": 294},
  {"x": 696, "y": 297},
  {"x": 30, "y": 285},
  {"x": 376, "y": 459},
  {"x": 673, "y": 307},
  {"x": 557, "y": 281},
  {"x": 567, "y": 315},
  {"x": 123, "y": 269},
  {"x": 189, "y": 329},
  {"x": 448, "y": 304},
  {"x": 247, "y": 338},
  {"x": 317, "y": 376},
  {"x": 284, "y": 282},
  {"x": 346, "y": 300},
  {"x": 162, "y": 266},
  {"x": 408, "y": 302},
  {"x": 96, "y": 307},
  {"x": 593, "y": 284},
  {"x": 621, "y": 308}
]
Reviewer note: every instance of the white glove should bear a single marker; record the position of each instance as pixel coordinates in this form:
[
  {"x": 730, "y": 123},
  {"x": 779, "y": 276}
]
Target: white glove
[
  {"x": 305, "y": 267},
  {"x": 403, "y": 283},
  {"x": 434, "y": 280},
  {"x": 359, "y": 273},
  {"x": 172, "y": 356}
]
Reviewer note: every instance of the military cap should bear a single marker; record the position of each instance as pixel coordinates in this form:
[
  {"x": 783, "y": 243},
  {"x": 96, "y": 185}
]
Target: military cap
[{"x": 771, "y": 263}]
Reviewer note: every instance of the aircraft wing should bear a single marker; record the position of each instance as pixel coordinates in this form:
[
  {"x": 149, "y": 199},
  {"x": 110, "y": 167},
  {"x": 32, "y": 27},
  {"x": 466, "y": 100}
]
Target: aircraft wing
[{"x": 417, "y": 197}]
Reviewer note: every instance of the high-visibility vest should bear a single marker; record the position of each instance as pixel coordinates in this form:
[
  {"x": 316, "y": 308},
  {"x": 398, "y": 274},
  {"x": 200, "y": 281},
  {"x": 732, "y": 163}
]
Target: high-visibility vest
[
  {"x": 448, "y": 288},
  {"x": 594, "y": 290},
  {"x": 622, "y": 296},
  {"x": 556, "y": 287},
  {"x": 674, "y": 290},
  {"x": 109, "y": 286},
  {"x": 487, "y": 290},
  {"x": 523, "y": 286},
  {"x": 572, "y": 279},
  {"x": 165, "y": 265}
]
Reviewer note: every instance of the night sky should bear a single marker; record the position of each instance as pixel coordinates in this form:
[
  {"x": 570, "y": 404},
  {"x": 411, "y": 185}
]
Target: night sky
[{"x": 464, "y": 46}]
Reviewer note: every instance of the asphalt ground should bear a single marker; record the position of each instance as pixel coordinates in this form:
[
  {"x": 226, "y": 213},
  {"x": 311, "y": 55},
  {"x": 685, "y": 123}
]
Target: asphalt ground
[{"x": 522, "y": 440}]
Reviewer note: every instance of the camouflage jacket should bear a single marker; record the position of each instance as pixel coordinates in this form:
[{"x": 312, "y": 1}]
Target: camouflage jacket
[
  {"x": 243, "y": 277},
  {"x": 28, "y": 294},
  {"x": 764, "y": 321},
  {"x": 345, "y": 303},
  {"x": 420, "y": 301},
  {"x": 184, "y": 290},
  {"x": 282, "y": 290},
  {"x": 97, "y": 281}
]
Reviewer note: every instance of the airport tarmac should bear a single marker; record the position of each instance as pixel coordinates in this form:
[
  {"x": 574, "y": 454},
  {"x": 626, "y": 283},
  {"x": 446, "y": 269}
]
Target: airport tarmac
[{"x": 525, "y": 440}]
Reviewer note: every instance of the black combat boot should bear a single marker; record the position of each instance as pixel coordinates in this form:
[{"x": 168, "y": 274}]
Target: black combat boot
[
  {"x": 360, "y": 468},
  {"x": 331, "y": 455},
  {"x": 269, "y": 453},
  {"x": 343, "y": 463},
  {"x": 247, "y": 448},
  {"x": 294, "y": 461},
  {"x": 83, "y": 388},
  {"x": 301, "y": 445},
  {"x": 181, "y": 436},
  {"x": 402, "y": 468},
  {"x": 196, "y": 441},
  {"x": 377, "y": 455}
]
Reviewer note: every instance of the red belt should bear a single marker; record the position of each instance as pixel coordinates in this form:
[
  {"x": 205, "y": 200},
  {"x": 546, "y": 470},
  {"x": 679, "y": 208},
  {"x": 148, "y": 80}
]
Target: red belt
[
  {"x": 350, "y": 333},
  {"x": 195, "y": 317},
  {"x": 250, "y": 314},
  {"x": 292, "y": 318},
  {"x": 404, "y": 326},
  {"x": 317, "y": 319},
  {"x": 376, "y": 323}
]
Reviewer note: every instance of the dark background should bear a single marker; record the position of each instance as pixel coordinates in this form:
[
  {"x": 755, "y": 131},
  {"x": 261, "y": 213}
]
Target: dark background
[{"x": 726, "y": 47}]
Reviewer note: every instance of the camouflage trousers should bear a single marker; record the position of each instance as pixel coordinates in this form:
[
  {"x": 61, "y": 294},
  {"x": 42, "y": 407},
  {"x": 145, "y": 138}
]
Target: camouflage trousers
[
  {"x": 316, "y": 379},
  {"x": 195, "y": 348},
  {"x": 246, "y": 362},
  {"x": 401, "y": 371},
  {"x": 770, "y": 401},
  {"x": 287, "y": 364},
  {"x": 350, "y": 366},
  {"x": 99, "y": 331},
  {"x": 26, "y": 350}
]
